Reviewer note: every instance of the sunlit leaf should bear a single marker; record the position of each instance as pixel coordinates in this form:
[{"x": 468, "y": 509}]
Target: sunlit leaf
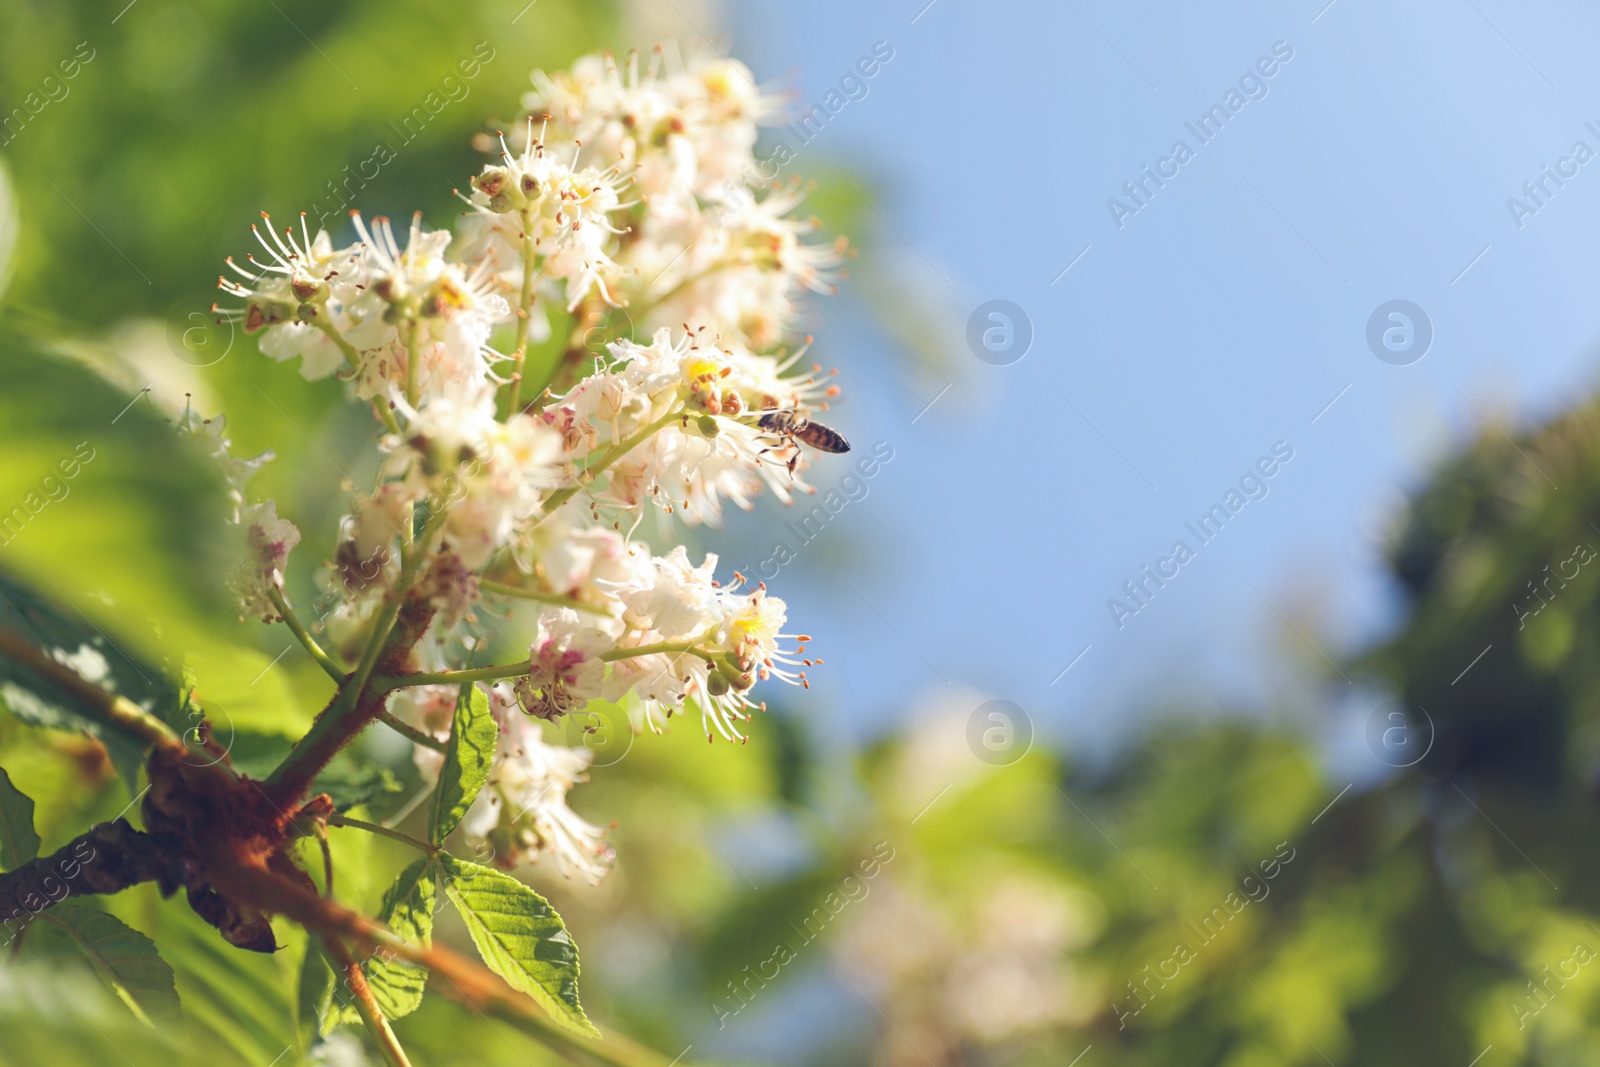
[
  {"x": 42, "y": 621},
  {"x": 107, "y": 510},
  {"x": 111, "y": 536},
  {"x": 408, "y": 909},
  {"x": 8, "y": 230},
  {"x": 66, "y": 1017},
  {"x": 520, "y": 937},
  {"x": 466, "y": 763},
  {"x": 19, "y": 843},
  {"x": 124, "y": 957}
]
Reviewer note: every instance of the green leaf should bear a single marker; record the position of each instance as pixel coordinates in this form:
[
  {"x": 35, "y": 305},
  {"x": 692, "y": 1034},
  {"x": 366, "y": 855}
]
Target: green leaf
[
  {"x": 123, "y": 956},
  {"x": 72, "y": 638},
  {"x": 349, "y": 779},
  {"x": 8, "y": 230},
  {"x": 19, "y": 843},
  {"x": 120, "y": 519},
  {"x": 466, "y": 763},
  {"x": 315, "y": 997},
  {"x": 232, "y": 1000},
  {"x": 408, "y": 909},
  {"x": 520, "y": 937}
]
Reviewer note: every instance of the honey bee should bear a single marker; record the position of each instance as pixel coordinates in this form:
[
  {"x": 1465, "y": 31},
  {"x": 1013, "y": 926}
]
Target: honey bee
[{"x": 792, "y": 427}]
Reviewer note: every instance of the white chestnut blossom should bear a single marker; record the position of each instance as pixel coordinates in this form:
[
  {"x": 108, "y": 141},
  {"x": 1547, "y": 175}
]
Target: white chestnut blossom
[
  {"x": 711, "y": 453},
  {"x": 609, "y": 326},
  {"x": 731, "y": 640},
  {"x": 747, "y": 268},
  {"x": 416, "y": 294},
  {"x": 537, "y": 207},
  {"x": 269, "y": 541},
  {"x": 522, "y": 813},
  {"x": 305, "y": 283},
  {"x": 208, "y": 436},
  {"x": 567, "y": 557},
  {"x": 687, "y": 128},
  {"x": 490, "y": 477},
  {"x": 564, "y": 666}
]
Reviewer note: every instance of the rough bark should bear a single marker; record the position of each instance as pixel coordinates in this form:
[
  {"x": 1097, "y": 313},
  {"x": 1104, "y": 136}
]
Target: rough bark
[{"x": 109, "y": 858}]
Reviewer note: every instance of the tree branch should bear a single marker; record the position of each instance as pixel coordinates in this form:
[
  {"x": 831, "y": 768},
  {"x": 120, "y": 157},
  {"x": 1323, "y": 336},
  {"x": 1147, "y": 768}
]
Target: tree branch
[
  {"x": 117, "y": 712},
  {"x": 464, "y": 980},
  {"x": 109, "y": 858},
  {"x": 340, "y": 721},
  {"x": 367, "y": 1004}
]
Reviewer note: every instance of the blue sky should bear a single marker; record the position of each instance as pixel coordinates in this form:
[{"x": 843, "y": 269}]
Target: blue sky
[{"x": 1216, "y": 322}]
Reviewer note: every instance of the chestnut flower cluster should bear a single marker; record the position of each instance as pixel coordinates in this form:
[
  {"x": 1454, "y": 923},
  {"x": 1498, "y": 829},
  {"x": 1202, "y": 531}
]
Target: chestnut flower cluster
[{"x": 616, "y": 223}]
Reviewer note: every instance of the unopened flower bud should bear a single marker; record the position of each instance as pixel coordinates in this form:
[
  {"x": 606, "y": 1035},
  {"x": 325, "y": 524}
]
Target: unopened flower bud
[
  {"x": 309, "y": 290},
  {"x": 492, "y": 180},
  {"x": 259, "y": 314}
]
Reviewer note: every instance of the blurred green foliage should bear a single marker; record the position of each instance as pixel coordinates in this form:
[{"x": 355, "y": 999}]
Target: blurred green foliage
[
  {"x": 1211, "y": 896},
  {"x": 189, "y": 120}
]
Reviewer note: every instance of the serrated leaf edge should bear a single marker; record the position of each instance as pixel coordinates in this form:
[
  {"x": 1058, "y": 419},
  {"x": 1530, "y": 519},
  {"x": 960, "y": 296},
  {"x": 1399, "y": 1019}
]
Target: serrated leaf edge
[{"x": 571, "y": 1015}]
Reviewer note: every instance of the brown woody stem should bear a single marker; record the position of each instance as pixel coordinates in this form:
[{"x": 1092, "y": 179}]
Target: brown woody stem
[
  {"x": 109, "y": 858},
  {"x": 463, "y": 980},
  {"x": 341, "y": 721},
  {"x": 367, "y": 1004}
]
